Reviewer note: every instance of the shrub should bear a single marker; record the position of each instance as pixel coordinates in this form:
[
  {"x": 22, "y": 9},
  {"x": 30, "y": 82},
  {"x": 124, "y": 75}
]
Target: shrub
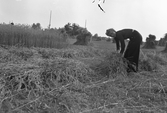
[{"x": 96, "y": 37}]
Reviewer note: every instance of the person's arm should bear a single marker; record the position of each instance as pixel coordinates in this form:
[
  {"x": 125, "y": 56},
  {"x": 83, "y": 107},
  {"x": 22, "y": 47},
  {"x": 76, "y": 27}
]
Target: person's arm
[
  {"x": 117, "y": 44},
  {"x": 122, "y": 45}
]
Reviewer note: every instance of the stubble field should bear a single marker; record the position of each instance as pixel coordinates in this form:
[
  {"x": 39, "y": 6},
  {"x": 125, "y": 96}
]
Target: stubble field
[{"x": 81, "y": 79}]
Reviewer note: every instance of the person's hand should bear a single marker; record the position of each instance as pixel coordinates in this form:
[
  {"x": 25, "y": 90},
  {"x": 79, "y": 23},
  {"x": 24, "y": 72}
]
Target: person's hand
[
  {"x": 117, "y": 51},
  {"x": 121, "y": 54}
]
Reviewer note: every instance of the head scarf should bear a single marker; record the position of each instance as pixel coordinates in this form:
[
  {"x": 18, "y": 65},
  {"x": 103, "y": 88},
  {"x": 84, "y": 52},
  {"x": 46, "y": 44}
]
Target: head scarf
[{"x": 110, "y": 32}]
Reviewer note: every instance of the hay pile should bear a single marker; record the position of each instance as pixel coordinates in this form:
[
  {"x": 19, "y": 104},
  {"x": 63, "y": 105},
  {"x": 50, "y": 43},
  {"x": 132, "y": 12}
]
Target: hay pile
[
  {"x": 165, "y": 49},
  {"x": 150, "y": 42},
  {"x": 83, "y": 38},
  {"x": 152, "y": 62},
  {"x": 29, "y": 87},
  {"x": 112, "y": 65},
  {"x": 33, "y": 83}
]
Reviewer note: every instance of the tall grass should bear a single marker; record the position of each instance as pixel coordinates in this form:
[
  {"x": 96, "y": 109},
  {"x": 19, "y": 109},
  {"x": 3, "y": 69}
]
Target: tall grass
[{"x": 28, "y": 37}]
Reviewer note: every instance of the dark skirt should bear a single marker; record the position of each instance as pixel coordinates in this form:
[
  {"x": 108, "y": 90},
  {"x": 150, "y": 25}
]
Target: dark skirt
[{"x": 133, "y": 50}]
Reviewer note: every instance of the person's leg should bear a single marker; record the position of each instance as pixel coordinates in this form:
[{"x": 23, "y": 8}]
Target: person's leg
[
  {"x": 138, "y": 40},
  {"x": 136, "y": 56},
  {"x": 129, "y": 56}
]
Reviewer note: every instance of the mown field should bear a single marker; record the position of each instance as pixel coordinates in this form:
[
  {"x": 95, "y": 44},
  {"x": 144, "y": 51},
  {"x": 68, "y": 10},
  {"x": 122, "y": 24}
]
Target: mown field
[{"x": 81, "y": 79}]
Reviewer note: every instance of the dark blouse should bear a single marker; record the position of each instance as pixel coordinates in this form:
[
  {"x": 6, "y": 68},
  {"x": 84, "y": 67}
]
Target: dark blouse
[{"x": 122, "y": 35}]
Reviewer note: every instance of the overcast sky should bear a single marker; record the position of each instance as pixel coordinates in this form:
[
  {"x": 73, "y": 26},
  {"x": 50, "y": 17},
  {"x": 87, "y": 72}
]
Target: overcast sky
[{"x": 146, "y": 16}]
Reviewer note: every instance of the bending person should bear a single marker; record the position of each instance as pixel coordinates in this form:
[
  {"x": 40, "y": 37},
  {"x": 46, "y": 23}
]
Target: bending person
[{"x": 133, "y": 47}]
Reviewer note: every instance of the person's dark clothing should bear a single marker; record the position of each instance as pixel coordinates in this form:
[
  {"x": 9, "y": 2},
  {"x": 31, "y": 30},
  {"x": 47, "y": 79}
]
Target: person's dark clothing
[{"x": 133, "y": 48}]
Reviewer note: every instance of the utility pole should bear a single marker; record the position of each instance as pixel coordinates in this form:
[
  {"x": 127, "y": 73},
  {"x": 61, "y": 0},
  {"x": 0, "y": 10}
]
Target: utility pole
[{"x": 50, "y": 20}]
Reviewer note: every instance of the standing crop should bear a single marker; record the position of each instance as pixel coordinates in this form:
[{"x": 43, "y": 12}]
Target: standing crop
[{"x": 20, "y": 35}]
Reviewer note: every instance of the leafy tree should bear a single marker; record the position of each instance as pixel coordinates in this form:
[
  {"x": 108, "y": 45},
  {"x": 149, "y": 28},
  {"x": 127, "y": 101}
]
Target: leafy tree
[
  {"x": 96, "y": 37},
  {"x": 36, "y": 26},
  {"x": 12, "y": 23},
  {"x": 76, "y": 29},
  {"x": 103, "y": 38},
  {"x": 68, "y": 28}
]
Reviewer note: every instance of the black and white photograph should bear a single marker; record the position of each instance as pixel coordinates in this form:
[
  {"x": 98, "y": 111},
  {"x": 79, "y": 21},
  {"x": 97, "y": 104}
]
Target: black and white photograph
[{"x": 83, "y": 56}]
